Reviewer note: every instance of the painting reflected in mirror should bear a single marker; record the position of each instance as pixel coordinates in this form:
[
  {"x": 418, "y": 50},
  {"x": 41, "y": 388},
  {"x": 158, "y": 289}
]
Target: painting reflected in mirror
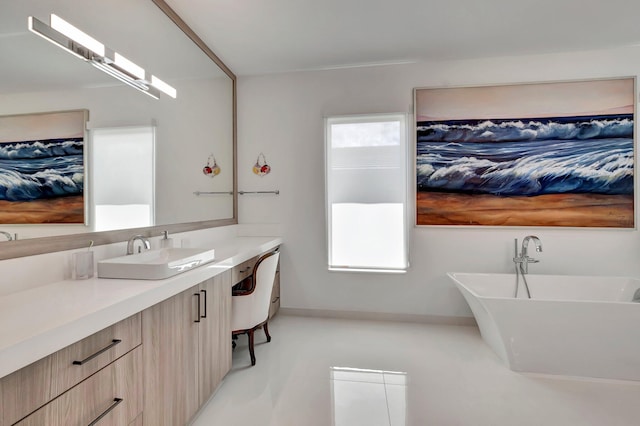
[{"x": 42, "y": 168}]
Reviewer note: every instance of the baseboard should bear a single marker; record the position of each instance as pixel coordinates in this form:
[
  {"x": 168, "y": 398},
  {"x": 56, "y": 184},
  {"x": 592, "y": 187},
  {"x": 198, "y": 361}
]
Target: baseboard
[{"x": 379, "y": 316}]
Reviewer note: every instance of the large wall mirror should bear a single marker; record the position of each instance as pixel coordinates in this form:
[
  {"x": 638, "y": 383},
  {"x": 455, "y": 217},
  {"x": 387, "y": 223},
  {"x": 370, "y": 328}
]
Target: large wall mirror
[{"x": 161, "y": 183}]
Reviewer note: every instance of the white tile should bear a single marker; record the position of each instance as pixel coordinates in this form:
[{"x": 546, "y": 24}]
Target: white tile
[
  {"x": 395, "y": 378},
  {"x": 453, "y": 378},
  {"x": 397, "y": 404},
  {"x": 356, "y": 375},
  {"x": 359, "y": 403}
]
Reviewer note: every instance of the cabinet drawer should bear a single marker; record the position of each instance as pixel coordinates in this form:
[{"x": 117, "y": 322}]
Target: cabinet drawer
[
  {"x": 139, "y": 421},
  {"x": 112, "y": 396},
  {"x": 243, "y": 270},
  {"x": 27, "y": 389},
  {"x": 78, "y": 361}
]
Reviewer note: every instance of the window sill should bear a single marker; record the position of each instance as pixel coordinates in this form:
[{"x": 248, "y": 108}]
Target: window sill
[{"x": 368, "y": 270}]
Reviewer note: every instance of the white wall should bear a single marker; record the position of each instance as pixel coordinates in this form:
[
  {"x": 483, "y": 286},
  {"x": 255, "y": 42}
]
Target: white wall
[{"x": 282, "y": 116}]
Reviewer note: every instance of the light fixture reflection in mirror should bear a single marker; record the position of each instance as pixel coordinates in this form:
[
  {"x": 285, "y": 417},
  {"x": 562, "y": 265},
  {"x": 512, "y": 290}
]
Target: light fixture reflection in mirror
[
  {"x": 37, "y": 78},
  {"x": 71, "y": 32},
  {"x": 80, "y": 44},
  {"x": 362, "y": 396}
]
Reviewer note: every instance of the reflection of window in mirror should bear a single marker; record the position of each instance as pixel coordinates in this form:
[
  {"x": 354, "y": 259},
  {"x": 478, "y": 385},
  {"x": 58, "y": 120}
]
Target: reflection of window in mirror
[{"x": 122, "y": 178}]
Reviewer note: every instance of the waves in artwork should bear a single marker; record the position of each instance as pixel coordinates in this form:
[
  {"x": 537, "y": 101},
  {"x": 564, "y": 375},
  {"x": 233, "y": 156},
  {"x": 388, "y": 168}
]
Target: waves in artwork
[
  {"x": 42, "y": 169},
  {"x": 592, "y": 154}
]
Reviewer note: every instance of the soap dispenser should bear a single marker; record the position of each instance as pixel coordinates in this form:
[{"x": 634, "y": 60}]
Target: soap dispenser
[{"x": 166, "y": 242}]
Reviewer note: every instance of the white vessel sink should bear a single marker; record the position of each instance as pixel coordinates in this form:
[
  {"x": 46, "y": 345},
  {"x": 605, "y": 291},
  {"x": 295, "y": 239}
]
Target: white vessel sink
[{"x": 154, "y": 264}]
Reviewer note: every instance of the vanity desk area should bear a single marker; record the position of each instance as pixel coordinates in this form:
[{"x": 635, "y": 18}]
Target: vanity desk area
[{"x": 122, "y": 351}]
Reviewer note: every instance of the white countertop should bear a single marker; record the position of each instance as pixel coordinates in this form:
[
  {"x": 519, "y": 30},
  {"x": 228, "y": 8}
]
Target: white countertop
[{"x": 40, "y": 321}]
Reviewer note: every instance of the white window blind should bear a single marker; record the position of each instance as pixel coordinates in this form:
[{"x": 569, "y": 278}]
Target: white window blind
[
  {"x": 124, "y": 196},
  {"x": 366, "y": 192}
]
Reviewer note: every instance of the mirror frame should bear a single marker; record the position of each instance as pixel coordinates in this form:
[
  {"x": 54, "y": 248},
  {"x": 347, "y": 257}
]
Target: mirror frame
[{"x": 41, "y": 245}]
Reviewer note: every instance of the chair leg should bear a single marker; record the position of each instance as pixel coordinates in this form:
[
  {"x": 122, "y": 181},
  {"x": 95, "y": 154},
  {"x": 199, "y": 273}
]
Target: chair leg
[
  {"x": 253, "y": 356},
  {"x": 234, "y": 337},
  {"x": 266, "y": 331}
]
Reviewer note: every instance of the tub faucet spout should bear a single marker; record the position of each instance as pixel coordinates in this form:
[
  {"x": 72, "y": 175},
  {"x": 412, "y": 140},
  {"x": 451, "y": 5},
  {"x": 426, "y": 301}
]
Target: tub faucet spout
[{"x": 523, "y": 258}]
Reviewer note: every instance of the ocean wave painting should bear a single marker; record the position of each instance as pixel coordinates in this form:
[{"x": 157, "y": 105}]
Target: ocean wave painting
[
  {"x": 33, "y": 170},
  {"x": 540, "y": 168},
  {"x": 42, "y": 180}
]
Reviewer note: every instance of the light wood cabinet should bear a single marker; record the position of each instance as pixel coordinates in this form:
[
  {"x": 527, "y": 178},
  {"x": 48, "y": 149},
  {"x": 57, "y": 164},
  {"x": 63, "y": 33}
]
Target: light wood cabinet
[
  {"x": 82, "y": 359},
  {"x": 29, "y": 388},
  {"x": 170, "y": 350},
  {"x": 25, "y": 390},
  {"x": 113, "y": 396},
  {"x": 275, "y": 294},
  {"x": 214, "y": 334},
  {"x": 243, "y": 270},
  {"x": 187, "y": 350},
  {"x": 155, "y": 368}
]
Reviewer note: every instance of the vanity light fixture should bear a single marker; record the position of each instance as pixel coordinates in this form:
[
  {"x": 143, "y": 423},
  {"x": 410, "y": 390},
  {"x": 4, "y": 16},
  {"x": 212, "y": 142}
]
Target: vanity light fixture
[{"x": 66, "y": 36}]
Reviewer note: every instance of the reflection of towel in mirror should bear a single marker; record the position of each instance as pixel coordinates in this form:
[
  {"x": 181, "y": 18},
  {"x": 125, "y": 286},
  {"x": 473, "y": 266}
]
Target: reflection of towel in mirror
[{"x": 636, "y": 296}]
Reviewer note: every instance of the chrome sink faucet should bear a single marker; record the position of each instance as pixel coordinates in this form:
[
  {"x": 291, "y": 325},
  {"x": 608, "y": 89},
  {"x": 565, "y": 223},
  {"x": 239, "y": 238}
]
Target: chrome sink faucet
[
  {"x": 6, "y": 234},
  {"x": 523, "y": 258},
  {"x": 132, "y": 240}
]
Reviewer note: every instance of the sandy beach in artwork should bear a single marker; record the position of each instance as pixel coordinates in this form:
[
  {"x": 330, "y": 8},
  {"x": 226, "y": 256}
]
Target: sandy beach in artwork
[
  {"x": 55, "y": 210},
  {"x": 584, "y": 210}
]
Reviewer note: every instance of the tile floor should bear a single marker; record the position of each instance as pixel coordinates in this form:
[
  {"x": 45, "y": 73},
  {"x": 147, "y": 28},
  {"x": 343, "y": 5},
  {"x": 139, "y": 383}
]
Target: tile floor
[{"x": 330, "y": 372}]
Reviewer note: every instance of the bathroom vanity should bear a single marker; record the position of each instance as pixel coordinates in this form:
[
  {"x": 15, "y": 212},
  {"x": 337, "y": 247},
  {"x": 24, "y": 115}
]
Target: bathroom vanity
[{"x": 124, "y": 352}]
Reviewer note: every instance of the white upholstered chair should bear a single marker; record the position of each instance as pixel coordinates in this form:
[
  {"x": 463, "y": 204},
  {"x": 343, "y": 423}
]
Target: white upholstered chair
[{"x": 250, "y": 307}]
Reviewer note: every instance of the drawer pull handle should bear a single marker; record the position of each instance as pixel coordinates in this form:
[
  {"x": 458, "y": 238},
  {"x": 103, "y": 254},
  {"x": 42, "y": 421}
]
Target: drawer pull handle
[
  {"x": 205, "y": 303},
  {"x": 275, "y": 300},
  {"x": 90, "y": 357},
  {"x": 198, "y": 296},
  {"x": 116, "y": 401}
]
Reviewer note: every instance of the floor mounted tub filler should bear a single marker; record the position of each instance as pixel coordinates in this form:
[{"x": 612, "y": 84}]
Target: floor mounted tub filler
[{"x": 572, "y": 325}]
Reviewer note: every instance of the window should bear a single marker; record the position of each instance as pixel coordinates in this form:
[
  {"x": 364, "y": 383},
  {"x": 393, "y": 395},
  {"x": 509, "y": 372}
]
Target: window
[{"x": 366, "y": 185}]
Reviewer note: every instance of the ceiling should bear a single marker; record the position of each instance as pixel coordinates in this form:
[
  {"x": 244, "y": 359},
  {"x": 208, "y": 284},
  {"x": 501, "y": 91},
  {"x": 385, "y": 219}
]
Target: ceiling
[
  {"x": 269, "y": 36},
  {"x": 30, "y": 64}
]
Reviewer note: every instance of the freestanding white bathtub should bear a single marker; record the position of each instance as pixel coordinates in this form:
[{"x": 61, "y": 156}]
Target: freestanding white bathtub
[{"x": 572, "y": 325}]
